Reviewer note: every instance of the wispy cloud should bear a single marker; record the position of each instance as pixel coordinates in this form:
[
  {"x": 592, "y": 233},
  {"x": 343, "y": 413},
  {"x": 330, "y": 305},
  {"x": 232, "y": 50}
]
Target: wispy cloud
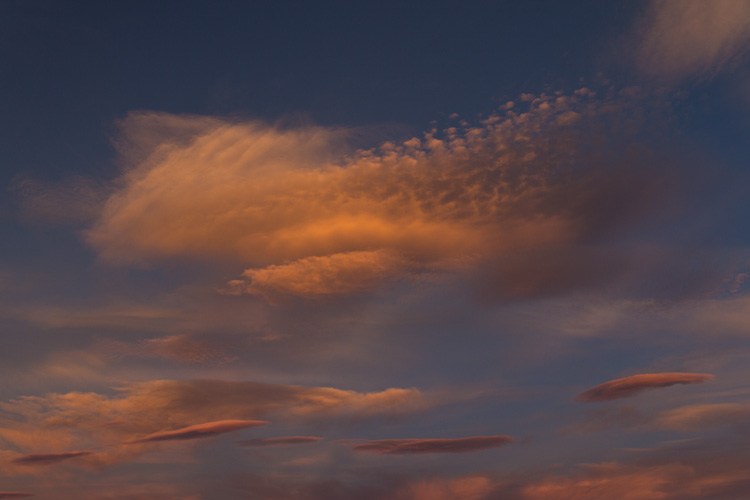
[
  {"x": 692, "y": 38},
  {"x": 14, "y": 494},
  {"x": 419, "y": 446},
  {"x": 629, "y": 386}
]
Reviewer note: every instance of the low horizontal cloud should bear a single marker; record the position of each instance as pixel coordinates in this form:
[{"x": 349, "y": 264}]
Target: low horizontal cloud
[
  {"x": 280, "y": 441},
  {"x": 418, "y": 446},
  {"x": 634, "y": 384},
  {"x": 692, "y": 38},
  {"x": 49, "y": 458},
  {"x": 199, "y": 431},
  {"x": 141, "y": 412},
  {"x": 14, "y": 494}
]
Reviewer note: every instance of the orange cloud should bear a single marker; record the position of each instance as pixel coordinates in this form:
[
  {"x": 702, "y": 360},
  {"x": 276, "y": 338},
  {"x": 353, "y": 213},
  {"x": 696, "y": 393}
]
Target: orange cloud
[
  {"x": 280, "y": 441},
  {"x": 49, "y": 458},
  {"x": 304, "y": 216},
  {"x": 417, "y": 446},
  {"x": 198, "y": 431},
  {"x": 634, "y": 384}
]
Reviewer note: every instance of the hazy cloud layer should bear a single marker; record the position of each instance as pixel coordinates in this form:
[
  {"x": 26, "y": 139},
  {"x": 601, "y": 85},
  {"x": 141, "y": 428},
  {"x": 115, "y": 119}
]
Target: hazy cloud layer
[
  {"x": 417, "y": 446},
  {"x": 692, "y": 38},
  {"x": 14, "y": 494},
  {"x": 634, "y": 384},
  {"x": 526, "y": 198}
]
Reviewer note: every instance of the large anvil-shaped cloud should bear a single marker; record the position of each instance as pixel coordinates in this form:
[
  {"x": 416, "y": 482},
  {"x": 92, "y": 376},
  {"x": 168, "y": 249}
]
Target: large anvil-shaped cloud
[
  {"x": 49, "y": 458},
  {"x": 198, "y": 431},
  {"x": 629, "y": 386},
  {"x": 419, "y": 446}
]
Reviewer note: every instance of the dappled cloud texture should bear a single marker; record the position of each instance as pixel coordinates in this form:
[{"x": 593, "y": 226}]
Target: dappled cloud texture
[
  {"x": 629, "y": 386},
  {"x": 307, "y": 217}
]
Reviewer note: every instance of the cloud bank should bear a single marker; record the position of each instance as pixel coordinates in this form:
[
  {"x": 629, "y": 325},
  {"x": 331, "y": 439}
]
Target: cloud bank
[{"x": 629, "y": 386}]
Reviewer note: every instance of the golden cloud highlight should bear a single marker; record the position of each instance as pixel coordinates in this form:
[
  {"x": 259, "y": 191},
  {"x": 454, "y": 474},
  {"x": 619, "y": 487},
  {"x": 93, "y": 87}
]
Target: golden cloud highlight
[
  {"x": 629, "y": 386},
  {"x": 305, "y": 216}
]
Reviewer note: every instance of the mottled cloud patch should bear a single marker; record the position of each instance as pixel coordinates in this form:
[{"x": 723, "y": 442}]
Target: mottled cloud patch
[
  {"x": 692, "y": 38},
  {"x": 418, "y": 446},
  {"x": 305, "y": 216},
  {"x": 49, "y": 458},
  {"x": 634, "y": 384},
  {"x": 279, "y": 441},
  {"x": 199, "y": 431}
]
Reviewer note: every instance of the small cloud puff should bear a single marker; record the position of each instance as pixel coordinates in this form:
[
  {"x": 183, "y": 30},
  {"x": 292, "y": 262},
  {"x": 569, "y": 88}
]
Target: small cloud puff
[{"x": 634, "y": 384}]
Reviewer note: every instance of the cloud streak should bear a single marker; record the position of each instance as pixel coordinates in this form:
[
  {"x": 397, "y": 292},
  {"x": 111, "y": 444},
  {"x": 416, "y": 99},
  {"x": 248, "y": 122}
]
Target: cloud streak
[
  {"x": 280, "y": 441},
  {"x": 200, "y": 431},
  {"x": 629, "y": 386},
  {"x": 49, "y": 458},
  {"x": 420, "y": 446}
]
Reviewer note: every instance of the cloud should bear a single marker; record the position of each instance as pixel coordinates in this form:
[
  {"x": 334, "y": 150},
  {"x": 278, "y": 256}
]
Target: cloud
[
  {"x": 14, "y": 494},
  {"x": 304, "y": 215},
  {"x": 671, "y": 481},
  {"x": 417, "y": 446},
  {"x": 634, "y": 384},
  {"x": 78, "y": 420},
  {"x": 692, "y": 38},
  {"x": 280, "y": 441},
  {"x": 49, "y": 458},
  {"x": 199, "y": 431},
  {"x": 703, "y": 416}
]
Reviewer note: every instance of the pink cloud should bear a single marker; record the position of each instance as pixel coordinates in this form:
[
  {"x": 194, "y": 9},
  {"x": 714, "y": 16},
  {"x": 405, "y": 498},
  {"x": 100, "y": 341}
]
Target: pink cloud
[
  {"x": 417, "y": 446},
  {"x": 634, "y": 384},
  {"x": 207, "y": 429}
]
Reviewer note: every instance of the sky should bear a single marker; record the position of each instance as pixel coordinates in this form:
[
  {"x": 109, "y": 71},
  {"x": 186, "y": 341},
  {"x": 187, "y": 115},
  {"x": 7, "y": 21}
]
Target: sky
[{"x": 375, "y": 250}]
